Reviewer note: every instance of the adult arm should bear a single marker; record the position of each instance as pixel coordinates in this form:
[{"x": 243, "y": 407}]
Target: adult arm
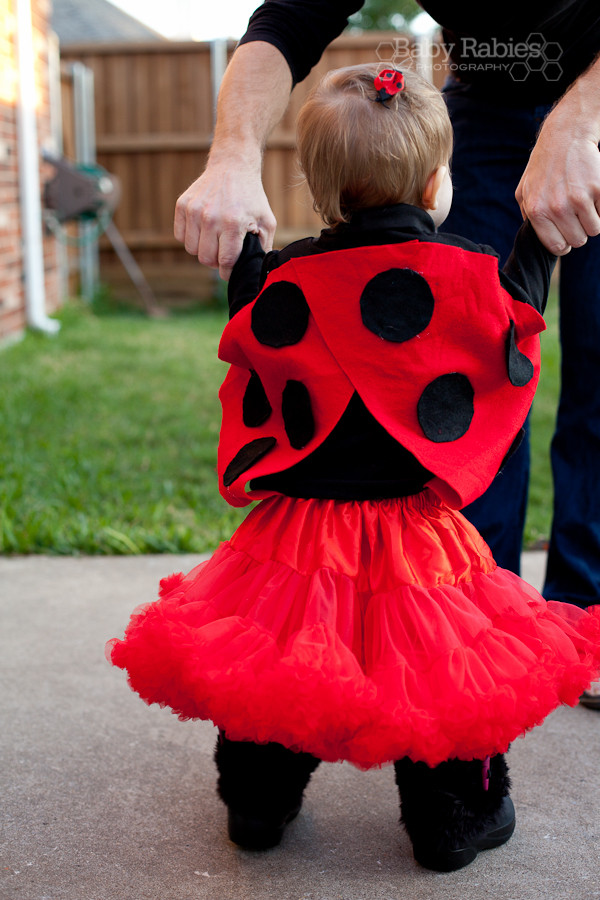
[
  {"x": 228, "y": 200},
  {"x": 285, "y": 38},
  {"x": 560, "y": 189}
]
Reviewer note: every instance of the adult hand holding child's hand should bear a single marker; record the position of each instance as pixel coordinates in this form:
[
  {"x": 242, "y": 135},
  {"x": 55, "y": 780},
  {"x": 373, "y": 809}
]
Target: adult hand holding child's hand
[{"x": 560, "y": 188}]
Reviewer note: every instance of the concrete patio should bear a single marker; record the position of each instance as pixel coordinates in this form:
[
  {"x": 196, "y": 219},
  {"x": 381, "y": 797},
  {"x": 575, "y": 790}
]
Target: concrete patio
[{"x": 107, "y": 799}]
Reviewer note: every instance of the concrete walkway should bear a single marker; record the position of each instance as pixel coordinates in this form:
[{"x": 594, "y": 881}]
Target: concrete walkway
[{"x": 104, "y": 798}]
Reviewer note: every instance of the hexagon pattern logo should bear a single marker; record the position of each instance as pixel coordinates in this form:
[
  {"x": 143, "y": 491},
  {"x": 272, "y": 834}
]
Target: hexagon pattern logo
[{"x": 543, "y": 57}]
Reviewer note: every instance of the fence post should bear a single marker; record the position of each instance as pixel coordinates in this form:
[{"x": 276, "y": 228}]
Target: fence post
[
  {"x": 218, "y": 64},
  {"x": 424, "y": 55},
  {"x": 85, "y": 152}
]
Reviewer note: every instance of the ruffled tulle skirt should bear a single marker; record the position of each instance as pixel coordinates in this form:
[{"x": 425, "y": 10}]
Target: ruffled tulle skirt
[{"x": 363, "y": 631}]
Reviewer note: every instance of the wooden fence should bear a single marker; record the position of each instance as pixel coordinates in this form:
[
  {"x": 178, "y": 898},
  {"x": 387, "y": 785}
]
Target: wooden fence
[{"x": 154, "y": 120}]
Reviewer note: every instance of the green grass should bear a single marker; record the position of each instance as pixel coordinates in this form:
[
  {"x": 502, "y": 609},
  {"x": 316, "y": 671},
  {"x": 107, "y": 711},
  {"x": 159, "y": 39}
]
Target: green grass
[{"x": 108, "y": 437}]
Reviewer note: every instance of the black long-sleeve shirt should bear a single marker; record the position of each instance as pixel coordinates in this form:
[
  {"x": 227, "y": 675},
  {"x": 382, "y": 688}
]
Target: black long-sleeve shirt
[
  {"x": 360, "y": 460},
  {"x": 486, "y": 44}
]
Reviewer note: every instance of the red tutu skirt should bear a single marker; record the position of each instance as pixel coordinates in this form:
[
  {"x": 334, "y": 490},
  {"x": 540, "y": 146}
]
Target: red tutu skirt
[{"x": 360, "y": 631}]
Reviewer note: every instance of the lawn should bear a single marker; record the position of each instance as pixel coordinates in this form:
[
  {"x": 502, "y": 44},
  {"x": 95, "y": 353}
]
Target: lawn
[{"x": 108, "y": 436}]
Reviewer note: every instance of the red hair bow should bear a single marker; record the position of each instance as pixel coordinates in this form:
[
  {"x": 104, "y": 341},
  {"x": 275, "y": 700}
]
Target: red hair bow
[{"x": 388, "y": 83}]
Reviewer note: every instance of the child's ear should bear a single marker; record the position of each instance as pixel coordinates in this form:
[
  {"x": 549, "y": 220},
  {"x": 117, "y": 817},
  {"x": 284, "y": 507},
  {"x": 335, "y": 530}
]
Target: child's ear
[{"x": 429, "y": 200}]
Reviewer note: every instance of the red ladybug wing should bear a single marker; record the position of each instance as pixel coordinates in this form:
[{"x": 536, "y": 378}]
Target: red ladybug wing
[
  {"x": 466, "y": 335},
  {"x": 307, "y": 362},
  {"x": 440, "y": 353}
]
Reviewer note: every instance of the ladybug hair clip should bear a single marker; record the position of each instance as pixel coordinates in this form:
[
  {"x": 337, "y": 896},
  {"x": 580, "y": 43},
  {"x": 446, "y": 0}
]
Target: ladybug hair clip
[{"x": 388, "y": 83}]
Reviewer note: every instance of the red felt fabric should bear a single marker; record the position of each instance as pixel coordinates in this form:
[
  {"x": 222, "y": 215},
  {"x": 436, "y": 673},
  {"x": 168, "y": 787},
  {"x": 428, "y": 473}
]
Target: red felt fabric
[
  {"x": 360, "y": 631},
  {"x": 338, "y": 355}
]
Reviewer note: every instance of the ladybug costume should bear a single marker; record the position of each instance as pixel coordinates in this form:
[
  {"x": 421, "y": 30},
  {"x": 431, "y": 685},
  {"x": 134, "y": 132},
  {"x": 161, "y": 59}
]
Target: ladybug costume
[
  {"x": 379, "y": 376},
  {"x": 411, "y": 347}
]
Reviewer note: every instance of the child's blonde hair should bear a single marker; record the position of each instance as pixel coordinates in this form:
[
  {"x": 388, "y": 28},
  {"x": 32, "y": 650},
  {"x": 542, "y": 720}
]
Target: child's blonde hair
[{"x": 357, "y": 153}]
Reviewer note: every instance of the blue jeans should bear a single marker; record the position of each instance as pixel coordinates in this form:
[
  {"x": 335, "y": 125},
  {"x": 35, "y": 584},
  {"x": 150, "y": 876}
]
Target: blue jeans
[{"x": 491, "y": 150}]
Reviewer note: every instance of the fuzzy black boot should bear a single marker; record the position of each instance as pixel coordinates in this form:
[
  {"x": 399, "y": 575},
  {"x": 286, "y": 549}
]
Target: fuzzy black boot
[
  {"x": 263, "y": 787},
  {"x": 448, "y": 812}
]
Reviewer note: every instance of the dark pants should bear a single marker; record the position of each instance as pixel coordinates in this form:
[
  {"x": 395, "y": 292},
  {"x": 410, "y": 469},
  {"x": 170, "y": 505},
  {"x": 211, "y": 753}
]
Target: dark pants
[{"x": 492, "y": 147}]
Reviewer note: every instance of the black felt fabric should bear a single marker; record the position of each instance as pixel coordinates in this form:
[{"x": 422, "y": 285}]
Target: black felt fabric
[
  {"x": 280, "y": 315},
  {"x": 518, "y": 440},
  {"x": 397, "y": 305},
  {"x": 445, "y": 408},
  {"x": 246, "y": 276},
  {"x": 297, "y": 414},
  {"x": 246, "y": 457},
  {"x": 256, "y": 408},
  {"x": 527, "y": 271},
  {"x": 520, "y": 367},
  {"x": 358, "y": 461}
]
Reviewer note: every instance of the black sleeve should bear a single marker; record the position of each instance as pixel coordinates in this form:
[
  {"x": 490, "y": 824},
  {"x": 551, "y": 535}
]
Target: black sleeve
[
  {"x": 246, "y": 276},
  {"x": 527, "y": 271},
  {"x": 300, "y": 29},
  {"x": 254, "y": 265}
]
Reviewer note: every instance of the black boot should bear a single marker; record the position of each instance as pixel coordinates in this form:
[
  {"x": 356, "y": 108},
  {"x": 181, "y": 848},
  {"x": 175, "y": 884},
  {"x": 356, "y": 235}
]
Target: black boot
[
  {"x": 454, "y": 810},
  {"x": 263, "y": 787}
]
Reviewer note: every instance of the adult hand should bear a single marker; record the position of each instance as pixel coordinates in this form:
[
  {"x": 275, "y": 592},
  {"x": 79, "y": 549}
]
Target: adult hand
[
  {"x": 560, "y": 189},
  {"x": 219, "y": 208},
  {"x": 213, "y": 216}
]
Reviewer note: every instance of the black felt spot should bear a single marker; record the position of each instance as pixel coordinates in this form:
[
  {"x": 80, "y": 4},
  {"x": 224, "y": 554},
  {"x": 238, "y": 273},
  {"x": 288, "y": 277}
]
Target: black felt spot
[
  {"x": 445, "y": 408},
  {"x": 256, "y": 408},
  {"x": 297, "y": 414},
  {"x": 520, "y": 367},
  {"x": 246, "y": 457},
  {"x": 397, "y": 304},
  {"x": 280, "y": 315}
]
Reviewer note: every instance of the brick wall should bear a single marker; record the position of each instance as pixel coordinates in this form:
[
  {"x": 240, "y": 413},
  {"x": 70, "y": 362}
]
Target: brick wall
[{"x": 12, "y": 293}]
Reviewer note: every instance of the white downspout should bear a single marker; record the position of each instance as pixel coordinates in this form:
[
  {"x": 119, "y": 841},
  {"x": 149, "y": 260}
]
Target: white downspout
[{"x": 29, "y": 178}]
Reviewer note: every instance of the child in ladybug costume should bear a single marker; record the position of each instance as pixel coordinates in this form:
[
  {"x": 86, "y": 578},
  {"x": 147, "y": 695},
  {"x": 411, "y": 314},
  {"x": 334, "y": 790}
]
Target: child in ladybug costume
[{"x": 379, "y": 377}]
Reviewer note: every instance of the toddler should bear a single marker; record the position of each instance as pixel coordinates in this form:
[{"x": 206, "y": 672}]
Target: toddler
[{"x": 380, "y": 375}]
